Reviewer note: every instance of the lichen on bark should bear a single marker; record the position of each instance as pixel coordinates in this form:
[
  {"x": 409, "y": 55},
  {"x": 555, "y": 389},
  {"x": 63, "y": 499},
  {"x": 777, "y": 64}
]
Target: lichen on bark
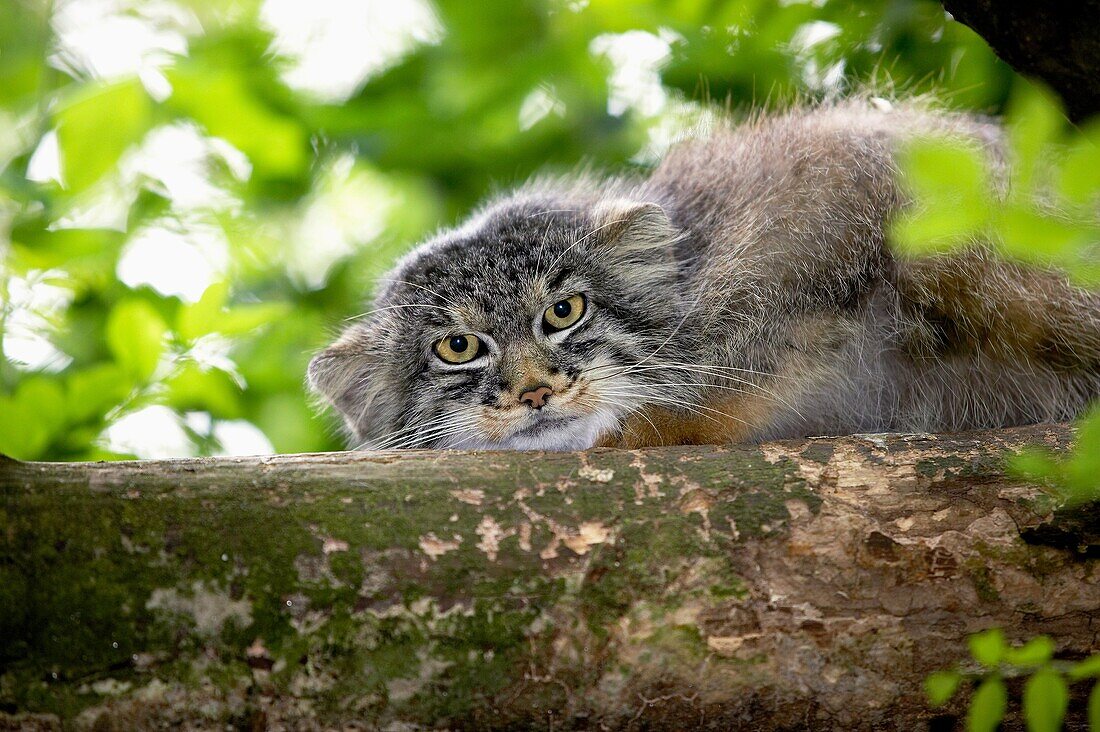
[{"x": 765, "y": 586}]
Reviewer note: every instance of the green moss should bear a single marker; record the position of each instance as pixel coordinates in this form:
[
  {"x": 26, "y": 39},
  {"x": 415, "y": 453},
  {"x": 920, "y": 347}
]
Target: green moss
[
  {"x": 680, "y": 643},
  {"x": 725, "y": 591},
  {"x": 819, "y": 452},
  {"x": 338, "y": 590},
  {"x": 982, "y": 579},
  {"x": 944, "y": 464}
]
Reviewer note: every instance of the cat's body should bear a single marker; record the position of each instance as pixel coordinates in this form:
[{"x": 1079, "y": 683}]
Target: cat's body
[{"x": 743, "y": 291}]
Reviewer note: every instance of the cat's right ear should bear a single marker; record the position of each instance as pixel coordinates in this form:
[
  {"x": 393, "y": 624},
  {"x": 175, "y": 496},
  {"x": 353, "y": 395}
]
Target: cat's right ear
[{"x": 342, "y": 376}]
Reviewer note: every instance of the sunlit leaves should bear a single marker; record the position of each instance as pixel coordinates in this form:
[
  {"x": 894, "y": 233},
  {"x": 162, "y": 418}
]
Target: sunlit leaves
[
  {"x": 95, "y": 126},
  {"x": 243, "y": 319},
  {"x": 954, "y": 208},
  {"x": 1079, "y": 180},
  {"x": 87, "y": 255},
  {"x": 1046, "y": 691},
  {"x": 208, "y": 390},
  {"x": 25, "y": 39},
  {"x": 31, "y": 417},
  {"x": 926, "y": 160},
  {"x": 95, "y": 390},
  {"x": 135, "y": 335},
  {"x": 1076, "y": 477},
  {"x": 940, "y": 686},
  {"x": 1046, "y": 697},
  {"x": 987, "y": 707},
  {"x": 210, "y": 314},
  {"x": 201, "y": 316},
  {"x": 1034, "y": 122},
  {"x": 222, "y": 100},
  {"x": 1089, "y": 668},
  {"x": 1043, "y": 217},
  {"x": 988, "y": 647},
  {"x": 1035, "y": 652}
]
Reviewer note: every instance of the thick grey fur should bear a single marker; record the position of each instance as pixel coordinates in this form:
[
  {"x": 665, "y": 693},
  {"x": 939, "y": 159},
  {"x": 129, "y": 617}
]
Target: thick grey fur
[{"x": 752, "y": 263}]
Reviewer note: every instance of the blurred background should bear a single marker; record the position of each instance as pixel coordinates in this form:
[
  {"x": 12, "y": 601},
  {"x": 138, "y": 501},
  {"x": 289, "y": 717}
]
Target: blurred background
[{"x": 195, "y": 194}]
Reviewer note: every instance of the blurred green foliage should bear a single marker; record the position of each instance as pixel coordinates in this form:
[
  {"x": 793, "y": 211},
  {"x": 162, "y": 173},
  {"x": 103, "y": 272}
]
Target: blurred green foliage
[
  {"x": 1047, "y": 215},
  {"x": 1046, "y": 692},
  {"x": 309, "y": 196}
]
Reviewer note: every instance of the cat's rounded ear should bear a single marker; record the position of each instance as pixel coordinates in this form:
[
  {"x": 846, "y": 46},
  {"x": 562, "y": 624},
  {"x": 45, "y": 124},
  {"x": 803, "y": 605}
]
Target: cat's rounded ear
[
  {"x": 636, "y": 238},
  {"x": 634, "y": 225},
  {"x": 343, "y": 376}
]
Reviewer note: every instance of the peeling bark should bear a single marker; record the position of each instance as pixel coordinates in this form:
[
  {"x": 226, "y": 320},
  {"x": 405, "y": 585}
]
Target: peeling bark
[{"x": 806, "y": 584}]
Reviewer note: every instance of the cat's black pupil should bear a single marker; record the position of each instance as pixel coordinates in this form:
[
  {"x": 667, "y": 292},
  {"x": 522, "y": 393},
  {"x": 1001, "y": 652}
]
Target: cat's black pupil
[
  {"x": 562, "y": 309},
  {"x": 459, "y": 344}
]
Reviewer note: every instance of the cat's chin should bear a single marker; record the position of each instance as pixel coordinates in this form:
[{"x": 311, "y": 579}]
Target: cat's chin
[{"x": 578, "y": 433}]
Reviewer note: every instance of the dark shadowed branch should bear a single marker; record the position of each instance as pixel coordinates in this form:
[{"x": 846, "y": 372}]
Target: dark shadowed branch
[{"x": 1055, "y": 42}]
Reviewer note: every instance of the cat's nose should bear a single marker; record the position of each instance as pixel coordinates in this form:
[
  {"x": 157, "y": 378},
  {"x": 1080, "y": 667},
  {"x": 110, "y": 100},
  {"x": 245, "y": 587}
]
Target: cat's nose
[{"x": 536, "y": 396}]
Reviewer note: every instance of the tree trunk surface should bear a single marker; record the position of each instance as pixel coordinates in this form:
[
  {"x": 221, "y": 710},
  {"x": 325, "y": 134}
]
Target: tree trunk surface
[
  {"x": 804, "y": 584},
  {"x": 1056, "y": 42}
]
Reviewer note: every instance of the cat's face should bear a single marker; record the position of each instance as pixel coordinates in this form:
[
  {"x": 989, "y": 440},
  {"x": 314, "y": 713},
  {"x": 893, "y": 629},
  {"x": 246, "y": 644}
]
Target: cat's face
[{"x": 532, "y": 327}]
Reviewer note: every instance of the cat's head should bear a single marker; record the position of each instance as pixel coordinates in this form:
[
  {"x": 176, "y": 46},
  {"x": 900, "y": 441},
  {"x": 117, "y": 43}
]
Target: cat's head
[{"x": 537, "y": 325}]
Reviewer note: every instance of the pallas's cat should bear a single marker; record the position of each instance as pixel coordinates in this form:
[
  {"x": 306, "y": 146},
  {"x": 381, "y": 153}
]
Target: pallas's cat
[{"x": 744, "y": 290}]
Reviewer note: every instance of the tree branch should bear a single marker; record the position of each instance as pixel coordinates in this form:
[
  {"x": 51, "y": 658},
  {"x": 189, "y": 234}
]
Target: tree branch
[
  {"x": 1055, "y": 42},
  {"x": 808, "y": 583}
]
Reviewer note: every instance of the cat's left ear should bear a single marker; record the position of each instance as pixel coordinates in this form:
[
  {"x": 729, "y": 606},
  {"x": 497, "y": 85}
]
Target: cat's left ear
[{"x": 634, "y": 226}]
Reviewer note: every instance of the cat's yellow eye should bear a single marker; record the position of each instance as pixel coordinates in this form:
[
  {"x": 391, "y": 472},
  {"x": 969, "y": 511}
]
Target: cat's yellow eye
[
  {"x": 563, "y": 313},
  {"x": 458, "y": 348}
]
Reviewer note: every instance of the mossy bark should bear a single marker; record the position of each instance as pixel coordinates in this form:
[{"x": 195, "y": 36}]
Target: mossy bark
[{"x": 798, "y": 584}]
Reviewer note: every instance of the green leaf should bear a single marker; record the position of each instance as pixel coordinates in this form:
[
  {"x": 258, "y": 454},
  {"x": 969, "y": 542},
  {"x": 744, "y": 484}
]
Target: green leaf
[
  {"x": 1033, "y": 235},
  {"x": 210, "y": 391},
  {"x": 951, "y": 192},
  {"x": 940, "y": 686},
  {"x": 96, "y": 125},
  {"x": 202, "y": 317},
  {"x": 21, "y": 437},
  {"x": 937, "y": 168},
  {"x": 1035, "y": 652},
  {"x": 222, "y": 100},
  {"x": 209, "y": 315},
  {"x": 1080, "y": 176},
  {"x": 941, "y": 227},
  {"x": 47, "y": 399},
  {"x": 987, "y": 707},
  {"x": 1046, "y": 698},
  {"x": 245, "y": 318},
  {"x": 988, "y": 647},
  {"x": 1036, "y": 465},
  {"x": 95, "y": 390},
  {"x": 32, "y": 417},
  {"x": 135, "y": 335},
  {"x": 1090, "y": 667},
  {"x": 1094, "y": 708},
  {"x": 1034, "y": 118},
  {"x": 1082, "y": 470}
]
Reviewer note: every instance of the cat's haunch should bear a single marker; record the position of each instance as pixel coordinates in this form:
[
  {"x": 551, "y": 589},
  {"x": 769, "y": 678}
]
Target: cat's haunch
[{"x": 745, "y": 290}]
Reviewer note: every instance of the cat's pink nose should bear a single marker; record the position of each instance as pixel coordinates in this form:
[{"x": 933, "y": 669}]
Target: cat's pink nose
[{"x": 536, "y": 397}]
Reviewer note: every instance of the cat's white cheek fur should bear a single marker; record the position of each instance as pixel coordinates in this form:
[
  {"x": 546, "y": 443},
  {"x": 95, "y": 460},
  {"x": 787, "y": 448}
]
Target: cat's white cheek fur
[{"x": 580, "y": 434}]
